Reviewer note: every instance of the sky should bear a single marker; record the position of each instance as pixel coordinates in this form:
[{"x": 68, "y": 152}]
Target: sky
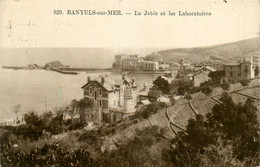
[
  {"x": 31, "y": 23},
  {"x": 31, "y": 33}
]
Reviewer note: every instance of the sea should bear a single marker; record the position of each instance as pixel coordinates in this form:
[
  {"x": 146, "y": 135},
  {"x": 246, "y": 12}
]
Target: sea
[{"x": 42, "y": 90}]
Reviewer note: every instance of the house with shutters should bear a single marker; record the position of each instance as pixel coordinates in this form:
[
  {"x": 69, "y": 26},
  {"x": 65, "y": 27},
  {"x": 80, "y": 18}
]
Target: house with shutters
[
  {"x": 237, "y": 71},
  {"x": 113, "y": 97}
]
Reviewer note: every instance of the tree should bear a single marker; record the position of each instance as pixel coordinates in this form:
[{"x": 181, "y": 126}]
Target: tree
[
  {"x": 32, "y": 119},
  {"x": 56, "y": 125},
  {"x": 33, "y": 128},
  {"x": 245, "y": 82},
  {"x": 84, "y": 104},
  {"x": 225, "y": 86},
  {"x": 206, "y": 89},
  {"x": 74, "y": 109},
  {"x": 238, "y": 123},
  {"x": 227, "y": 136},
  {"x": 216, "y": 76},
  {"x": 153, "y": 94},
  {"x": 16, "y": 109},
  {"x": 162, "y": 84}
]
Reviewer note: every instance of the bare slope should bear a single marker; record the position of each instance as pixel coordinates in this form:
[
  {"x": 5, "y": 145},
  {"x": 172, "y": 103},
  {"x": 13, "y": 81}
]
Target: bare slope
[{"x": 218, "y": 53}]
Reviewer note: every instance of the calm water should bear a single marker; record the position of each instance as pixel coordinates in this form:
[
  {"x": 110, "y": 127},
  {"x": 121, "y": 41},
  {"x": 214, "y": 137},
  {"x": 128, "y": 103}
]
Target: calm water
[{"x": 30, "y": 88}]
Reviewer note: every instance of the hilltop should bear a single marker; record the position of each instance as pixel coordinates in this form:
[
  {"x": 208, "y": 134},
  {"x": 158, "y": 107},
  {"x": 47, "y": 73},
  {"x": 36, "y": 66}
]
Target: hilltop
[{"x": 217, "y": 53}]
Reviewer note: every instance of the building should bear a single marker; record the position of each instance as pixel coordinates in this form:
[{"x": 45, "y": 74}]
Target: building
[
  {"x": 131, "y": 62},
  {"x": 186, "y": 64},
  {"x": 149, "y": 65},
  {"x": 235, "y": 72},
  {"x": 200, "y": 77},
  {"x": 164, "y": 66},
  {"x": 134, "y": 63},
  {"x": 118, "y": 61},
  {"x": 113, "y": 97},
  {"x": 207, "y": 69}
]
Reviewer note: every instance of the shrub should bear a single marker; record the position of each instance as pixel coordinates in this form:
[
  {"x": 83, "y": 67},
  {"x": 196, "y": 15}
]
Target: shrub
[
  {"x": 245, "y": 82},
  {"x": 228, "y": 136}
]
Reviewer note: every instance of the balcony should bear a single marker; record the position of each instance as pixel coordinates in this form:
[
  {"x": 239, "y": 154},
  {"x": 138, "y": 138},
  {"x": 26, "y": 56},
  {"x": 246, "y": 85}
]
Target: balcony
[{"x": 116, "y": 109}]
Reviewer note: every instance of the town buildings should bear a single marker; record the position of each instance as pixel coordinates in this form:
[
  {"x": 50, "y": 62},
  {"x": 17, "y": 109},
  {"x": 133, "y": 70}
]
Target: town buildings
[
  {"x": 134, "y": 63},
  {"x": 235, "y": 72},
  {"x": 164, "y": 66},
  {"x": 201, "y": 75},
  {"x": 149, "y": 65}
]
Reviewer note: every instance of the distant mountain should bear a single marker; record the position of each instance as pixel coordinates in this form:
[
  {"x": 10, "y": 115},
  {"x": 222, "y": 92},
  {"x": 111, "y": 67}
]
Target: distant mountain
[{"x": 217, "y": 53}]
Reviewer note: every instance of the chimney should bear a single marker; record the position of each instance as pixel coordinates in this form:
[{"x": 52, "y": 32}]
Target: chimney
[
  {"x": 133, "y": 80},
  {"x": 102, "y": 80},
  {"x": 123, "y": 76},
  {"x": 89, "y": 78},
  {"x": 145, "y": 87}
]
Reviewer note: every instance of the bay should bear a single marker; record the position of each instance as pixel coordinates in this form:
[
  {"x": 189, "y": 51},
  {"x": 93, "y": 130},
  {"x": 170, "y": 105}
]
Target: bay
[{"x": 41, "y": 90}]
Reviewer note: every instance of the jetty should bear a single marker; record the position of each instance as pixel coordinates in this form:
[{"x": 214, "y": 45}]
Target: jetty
[{"x": 64, "y": 72}]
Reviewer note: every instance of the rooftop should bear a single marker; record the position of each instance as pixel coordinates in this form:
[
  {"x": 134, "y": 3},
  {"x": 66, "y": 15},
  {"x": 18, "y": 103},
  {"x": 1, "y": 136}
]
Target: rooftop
[{"x": 111, "y": 82}]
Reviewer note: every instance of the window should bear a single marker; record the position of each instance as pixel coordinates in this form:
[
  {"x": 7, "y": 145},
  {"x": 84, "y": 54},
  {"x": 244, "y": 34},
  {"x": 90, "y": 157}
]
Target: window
[
  {"x": 239, "y": 74},
  {"x": 90, "y": 90},
  {"x": 246, "y": 69},
  {"x": 100, "y": 103},
  {"x": 95, "y": 95},
  {"x": 231, "y": 74},
  {"x": 100, "y": 92}
]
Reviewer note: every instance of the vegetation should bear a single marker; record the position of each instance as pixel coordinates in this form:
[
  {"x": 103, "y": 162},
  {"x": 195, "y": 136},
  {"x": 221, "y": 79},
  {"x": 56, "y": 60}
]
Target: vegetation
[
  {"x": 84, "y": 104},
  {"x": 137, "y": 151},
  {"x": 225, "y": 86},
  {"x": 48, "y": 155},
  {"x": 73, "y": 109},
  {"x": 228, "y": 136},
  {"x": 245, "y": 82},
  {"x": 16, "y": 109},
  {"x": 216, "y": 76},
  {"x": 154, "y": 93},
  {"x": 211, "y": 54},
  {"x": 162, "y": 85},
  {"x": 149, "y": 110},
  {"x": 182, "y": 86}
]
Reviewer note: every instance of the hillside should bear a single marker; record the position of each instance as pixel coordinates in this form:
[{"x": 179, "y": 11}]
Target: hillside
[
  {"x": 181, "y": 112},
  {"x": 133, "y": 142},
  {"x": 217, "y": 53}
]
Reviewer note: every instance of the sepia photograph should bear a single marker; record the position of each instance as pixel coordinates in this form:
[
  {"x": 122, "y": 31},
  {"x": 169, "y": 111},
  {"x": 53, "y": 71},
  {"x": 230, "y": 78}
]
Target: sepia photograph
[{"x": 123, "y": 83}]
